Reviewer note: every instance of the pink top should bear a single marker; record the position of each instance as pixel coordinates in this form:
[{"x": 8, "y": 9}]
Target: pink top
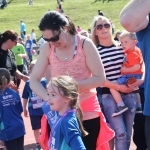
[
  {"x": 76, "y": 68},
  {"x": 79, "y": 29}
]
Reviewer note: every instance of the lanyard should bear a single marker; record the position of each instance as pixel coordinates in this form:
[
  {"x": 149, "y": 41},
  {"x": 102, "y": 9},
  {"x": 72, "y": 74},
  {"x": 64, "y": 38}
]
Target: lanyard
[{"x": 52, "y": 131}]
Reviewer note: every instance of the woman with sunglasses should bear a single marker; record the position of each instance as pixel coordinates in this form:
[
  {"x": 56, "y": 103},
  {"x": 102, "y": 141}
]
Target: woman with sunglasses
[
  {"x": 112, "y": 57},
  {"x": 8, "y": 40},
  {"x": 71, "y": 54}
]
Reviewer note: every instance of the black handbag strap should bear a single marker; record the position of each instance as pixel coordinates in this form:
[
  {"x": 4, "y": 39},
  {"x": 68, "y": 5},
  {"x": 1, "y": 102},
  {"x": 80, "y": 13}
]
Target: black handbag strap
[{"x": 83, "y": 42}]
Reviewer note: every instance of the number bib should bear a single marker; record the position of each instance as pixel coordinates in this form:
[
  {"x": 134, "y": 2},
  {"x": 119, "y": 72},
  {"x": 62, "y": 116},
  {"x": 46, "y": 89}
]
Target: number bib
[{"x": 36, "y": 102}]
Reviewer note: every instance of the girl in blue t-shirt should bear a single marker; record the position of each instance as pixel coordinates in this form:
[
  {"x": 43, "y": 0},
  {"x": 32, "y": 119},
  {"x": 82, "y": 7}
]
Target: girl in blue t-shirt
[
  {"x": 12, "y": 128},
  {"x": 66, "y": 128}
]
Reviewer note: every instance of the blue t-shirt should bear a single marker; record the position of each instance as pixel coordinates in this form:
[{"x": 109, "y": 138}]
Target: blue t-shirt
[
  {"x": 30, "y": 95},
  {"x": 28, "y": 45},
  {"x": 23, "y": 27},
  {"x": 143, "y": 37},
  {"x": 11, "y": 122},
  {"x": 67, "y": 135}
]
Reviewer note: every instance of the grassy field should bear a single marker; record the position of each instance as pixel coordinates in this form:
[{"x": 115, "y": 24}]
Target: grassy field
[{"x": 80, "y": 11}]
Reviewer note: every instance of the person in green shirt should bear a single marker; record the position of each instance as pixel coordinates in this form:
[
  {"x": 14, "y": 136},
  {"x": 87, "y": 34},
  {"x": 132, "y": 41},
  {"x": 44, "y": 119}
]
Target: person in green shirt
[{"x": 20, "y": 53}]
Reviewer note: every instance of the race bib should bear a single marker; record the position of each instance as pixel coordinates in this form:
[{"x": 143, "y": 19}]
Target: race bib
[{"x": 36, "y": 102}]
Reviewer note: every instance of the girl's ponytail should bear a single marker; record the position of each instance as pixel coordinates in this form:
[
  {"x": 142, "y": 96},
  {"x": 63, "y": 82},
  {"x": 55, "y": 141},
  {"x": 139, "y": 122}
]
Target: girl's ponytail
[
  {"x": 71, "y": 26},
  {"x": 79, "y": 118}
]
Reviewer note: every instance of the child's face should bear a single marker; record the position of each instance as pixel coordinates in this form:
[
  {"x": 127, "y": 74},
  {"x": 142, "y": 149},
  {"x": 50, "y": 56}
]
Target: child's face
[
  {"x": 56, "y": 100},
  {"x": 28, "y": 37},
  {"x": 127, "y": 43}
]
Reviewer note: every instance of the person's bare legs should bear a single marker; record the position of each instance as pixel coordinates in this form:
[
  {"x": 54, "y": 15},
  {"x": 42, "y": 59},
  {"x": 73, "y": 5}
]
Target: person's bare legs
[{"x": 36, "y": 134}]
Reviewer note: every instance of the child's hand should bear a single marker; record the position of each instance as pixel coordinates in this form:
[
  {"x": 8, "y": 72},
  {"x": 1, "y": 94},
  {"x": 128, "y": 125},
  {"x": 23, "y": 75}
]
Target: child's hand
[
  {"x": 123, "y": 69},
  {"x": 20, "y": 55},
  {"x": 25, "y": 112}
]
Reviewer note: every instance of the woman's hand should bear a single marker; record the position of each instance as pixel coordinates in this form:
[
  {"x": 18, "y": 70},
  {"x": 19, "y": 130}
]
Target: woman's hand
[
  {"x": 25, "y": 78},
  {"x": 137, "y": 83},
  {"x": 125, "y": 89}
]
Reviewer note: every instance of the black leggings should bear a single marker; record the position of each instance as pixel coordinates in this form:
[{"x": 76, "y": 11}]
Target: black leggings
[
  {"x": 92, "y": 126},
  {"x": 16, "y": 144},
  {"x": 20, "y": 68}
]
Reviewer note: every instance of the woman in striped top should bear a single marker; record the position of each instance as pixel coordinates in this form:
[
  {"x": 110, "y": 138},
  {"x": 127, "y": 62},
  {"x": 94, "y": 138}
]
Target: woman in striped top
[{"x": 112, "y": 58}]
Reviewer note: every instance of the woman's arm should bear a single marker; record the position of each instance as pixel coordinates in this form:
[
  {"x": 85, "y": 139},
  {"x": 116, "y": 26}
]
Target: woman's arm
[
  {"x": 138, "y": 81},
  {"x": 134, "y": 15},
  {"x": 19, "y": 75},
  {"x": 122, "y": 88},
  {"x": 48, "y": 73},
  {"x": 38, "y": 72},
  {"x": 94, "y": 64}
]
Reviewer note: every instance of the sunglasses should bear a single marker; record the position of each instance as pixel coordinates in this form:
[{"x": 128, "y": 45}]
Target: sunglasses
[
  {"x": 14, "y": 41},
  {"x": 53, "y": 39},
  {"x": 101, "y": 26}
]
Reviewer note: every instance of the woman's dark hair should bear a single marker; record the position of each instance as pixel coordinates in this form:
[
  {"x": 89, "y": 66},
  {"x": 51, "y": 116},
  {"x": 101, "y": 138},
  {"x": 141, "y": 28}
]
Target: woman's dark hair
[
  {"x": 4, "y": 78},
  {"x": 9, "y": 34},
  {"x": 55, "y": 21}
]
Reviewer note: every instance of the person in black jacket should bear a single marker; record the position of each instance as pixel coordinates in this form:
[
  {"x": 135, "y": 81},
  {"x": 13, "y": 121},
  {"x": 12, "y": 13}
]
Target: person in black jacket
[{"x": 8, "y": 40}]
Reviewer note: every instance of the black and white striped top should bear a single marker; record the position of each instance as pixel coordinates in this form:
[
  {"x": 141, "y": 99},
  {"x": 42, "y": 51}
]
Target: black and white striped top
[{"x": 112, "y": 59}]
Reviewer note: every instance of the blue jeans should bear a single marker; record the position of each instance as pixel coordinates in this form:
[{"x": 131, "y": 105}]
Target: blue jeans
[
  {"x": 123, "y": 79},
  {"x": 121, "y": 124},
  {"x": 30, "y": 56}
]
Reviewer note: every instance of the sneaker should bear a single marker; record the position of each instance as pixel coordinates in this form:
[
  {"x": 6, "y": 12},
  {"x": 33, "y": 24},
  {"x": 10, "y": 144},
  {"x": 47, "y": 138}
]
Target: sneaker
[
  {"x": 138, "y": 110},
  {"x": 38, "y": 147},
  {"x": 120, "y": 110}
]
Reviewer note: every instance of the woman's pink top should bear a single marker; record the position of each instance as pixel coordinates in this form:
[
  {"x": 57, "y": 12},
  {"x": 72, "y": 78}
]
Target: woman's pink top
[{"x": 76, "y": 68}]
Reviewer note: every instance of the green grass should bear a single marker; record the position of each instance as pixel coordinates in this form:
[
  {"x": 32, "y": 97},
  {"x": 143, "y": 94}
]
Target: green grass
[{"x": 80, "y": 11}]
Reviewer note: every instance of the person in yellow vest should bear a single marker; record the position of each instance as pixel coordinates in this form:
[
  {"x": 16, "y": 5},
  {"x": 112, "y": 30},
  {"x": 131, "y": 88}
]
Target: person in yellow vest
[{"x": 20, "y": 53}]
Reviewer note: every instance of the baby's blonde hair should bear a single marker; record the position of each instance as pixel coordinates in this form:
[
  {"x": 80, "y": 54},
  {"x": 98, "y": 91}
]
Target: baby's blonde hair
[{"x": 124, "y": 33}]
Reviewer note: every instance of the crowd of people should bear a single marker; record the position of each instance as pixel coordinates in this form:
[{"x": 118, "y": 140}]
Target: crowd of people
[{"x": 85, "y": 91}]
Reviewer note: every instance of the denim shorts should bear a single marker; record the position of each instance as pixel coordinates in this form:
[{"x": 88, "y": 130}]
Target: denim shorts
[{"x": 124, "y": 78}]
